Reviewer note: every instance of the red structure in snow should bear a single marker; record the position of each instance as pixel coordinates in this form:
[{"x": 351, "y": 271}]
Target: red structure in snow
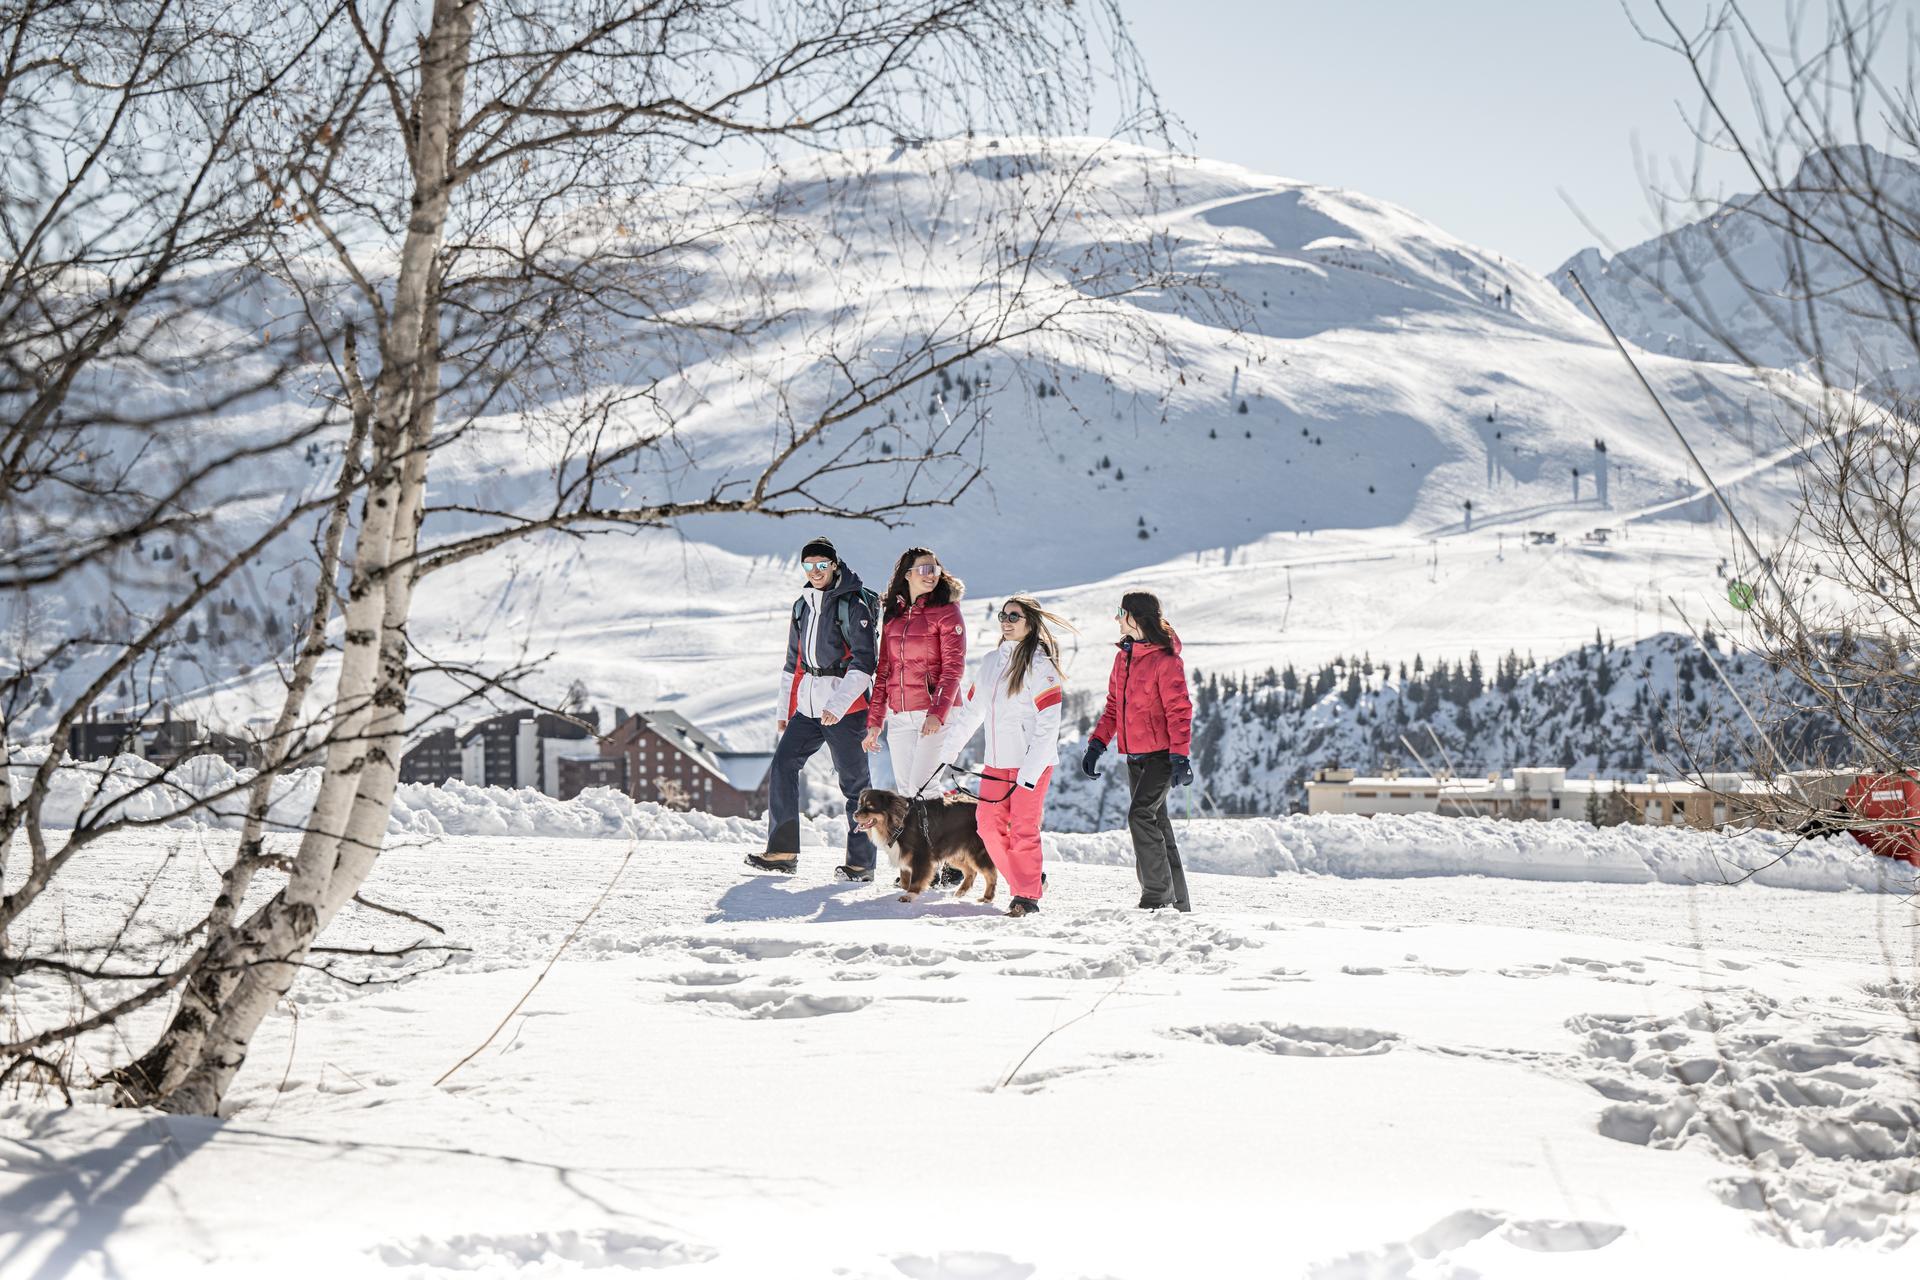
[{"x": 1892, "y": 798}]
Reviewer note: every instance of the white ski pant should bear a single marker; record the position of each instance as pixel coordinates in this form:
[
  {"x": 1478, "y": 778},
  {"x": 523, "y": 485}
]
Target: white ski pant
[{"x": 914, "y": 758}]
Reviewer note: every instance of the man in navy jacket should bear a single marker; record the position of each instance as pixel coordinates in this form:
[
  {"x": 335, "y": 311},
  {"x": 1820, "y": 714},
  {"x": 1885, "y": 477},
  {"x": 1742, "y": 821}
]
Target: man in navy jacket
[{"x": 831, "y": 642}]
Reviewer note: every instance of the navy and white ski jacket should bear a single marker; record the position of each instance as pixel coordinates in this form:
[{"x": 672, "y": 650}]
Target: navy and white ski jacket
[{"x": 828, "y": 669}]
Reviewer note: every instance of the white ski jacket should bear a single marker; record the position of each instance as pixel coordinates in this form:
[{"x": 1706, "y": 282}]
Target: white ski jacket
[{"x": 1023, "y": 729}]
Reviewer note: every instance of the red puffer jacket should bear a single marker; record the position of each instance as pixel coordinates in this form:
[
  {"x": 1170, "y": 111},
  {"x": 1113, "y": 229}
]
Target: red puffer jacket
[
  {"x": 1147, "y": 704},
  {"x": 923, "y": 659}
]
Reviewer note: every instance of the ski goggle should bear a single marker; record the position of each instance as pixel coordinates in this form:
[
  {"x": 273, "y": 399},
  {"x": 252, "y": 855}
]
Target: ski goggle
[{"x": 816, "y": 566}]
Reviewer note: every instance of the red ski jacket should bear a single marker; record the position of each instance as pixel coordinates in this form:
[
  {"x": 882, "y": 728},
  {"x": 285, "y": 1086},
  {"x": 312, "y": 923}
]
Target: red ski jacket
[
  {"x": 1147, "y": 704},
  {"x": 923, "y": 659}
]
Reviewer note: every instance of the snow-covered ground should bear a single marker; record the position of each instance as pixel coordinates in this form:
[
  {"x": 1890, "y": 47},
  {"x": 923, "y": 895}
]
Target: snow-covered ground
[{"x": 1313, "y": 1075}]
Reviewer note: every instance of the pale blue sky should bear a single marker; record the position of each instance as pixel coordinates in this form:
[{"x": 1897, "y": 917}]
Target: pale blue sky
[{"x": 1475, "y": 114}]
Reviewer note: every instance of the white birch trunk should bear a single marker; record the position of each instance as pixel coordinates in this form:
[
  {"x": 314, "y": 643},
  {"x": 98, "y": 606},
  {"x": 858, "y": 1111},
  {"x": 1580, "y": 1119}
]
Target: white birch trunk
[
  {"x": 163, "y": 1067},
  {"x": 345, "y": 828},
  {"x": 292, "y": 928},
  {"x": 387, "y": 730}
]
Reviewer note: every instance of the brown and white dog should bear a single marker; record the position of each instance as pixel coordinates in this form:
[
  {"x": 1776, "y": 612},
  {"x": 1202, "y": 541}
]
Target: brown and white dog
[{"x": 921, "y": 835}]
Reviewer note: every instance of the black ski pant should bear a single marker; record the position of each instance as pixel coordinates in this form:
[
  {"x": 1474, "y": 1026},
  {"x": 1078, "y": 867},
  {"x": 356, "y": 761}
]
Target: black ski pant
[
  {"x": 804, "y": 736},
  {"x": 1156, "y": 858}
]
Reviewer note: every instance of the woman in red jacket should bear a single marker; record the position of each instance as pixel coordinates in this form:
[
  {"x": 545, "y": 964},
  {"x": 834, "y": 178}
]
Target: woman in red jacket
[
  {"x": 1149, "y": 719},
  {"x": 922, "y": 661}
]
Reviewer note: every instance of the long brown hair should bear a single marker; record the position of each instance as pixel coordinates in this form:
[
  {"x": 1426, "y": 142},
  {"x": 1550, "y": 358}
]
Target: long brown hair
[
  {"x": 946, "y": 589},
  {"x": 1039, "y": 637},
  {"x": 1144, "y": 608}
]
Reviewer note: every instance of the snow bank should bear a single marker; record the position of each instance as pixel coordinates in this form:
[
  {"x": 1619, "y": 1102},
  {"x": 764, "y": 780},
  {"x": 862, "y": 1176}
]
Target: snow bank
[
  {"x": 208, "y": 792},
  {"x": 1398, "y": 846},
  {"x": 1389, "y": 846}
]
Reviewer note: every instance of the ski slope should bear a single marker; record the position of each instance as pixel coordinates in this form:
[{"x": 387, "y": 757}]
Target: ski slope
[{"x": 1389, "y": 372}]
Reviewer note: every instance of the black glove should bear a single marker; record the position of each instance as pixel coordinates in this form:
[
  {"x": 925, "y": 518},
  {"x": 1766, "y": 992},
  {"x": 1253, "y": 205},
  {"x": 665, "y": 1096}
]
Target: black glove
[
  {"x": 1092, "y": 758},
  {"x": 1182, "y": 771}
]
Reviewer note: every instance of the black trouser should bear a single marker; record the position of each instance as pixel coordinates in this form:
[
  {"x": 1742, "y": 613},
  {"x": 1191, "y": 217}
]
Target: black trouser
[
  {"x": 1156, "y": 858},
  {"x": 802, "y": 738}
]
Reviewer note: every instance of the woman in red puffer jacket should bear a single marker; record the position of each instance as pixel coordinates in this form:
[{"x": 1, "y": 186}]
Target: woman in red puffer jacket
[
  {"x": 921, "y": 664},
  {"x": 1149, "y": 720}
]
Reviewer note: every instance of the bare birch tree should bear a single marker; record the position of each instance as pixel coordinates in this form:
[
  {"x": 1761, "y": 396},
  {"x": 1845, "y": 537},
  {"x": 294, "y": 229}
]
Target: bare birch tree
[
  {"x": 1816, "y": 271},
  {"x": 584, "y": 219},
  {"x": 135, "y": 250}
]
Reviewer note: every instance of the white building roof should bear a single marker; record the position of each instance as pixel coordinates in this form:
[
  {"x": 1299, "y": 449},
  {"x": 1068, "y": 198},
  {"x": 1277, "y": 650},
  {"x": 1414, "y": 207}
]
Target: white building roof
[{"x": 745, "y": 770}]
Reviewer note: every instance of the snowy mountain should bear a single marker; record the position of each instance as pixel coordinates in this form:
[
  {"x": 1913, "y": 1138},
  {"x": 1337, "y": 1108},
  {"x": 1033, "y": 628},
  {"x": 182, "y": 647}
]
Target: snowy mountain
[
  {"x": 1604, "y": 710},
  {"x": 1407, "y": 448},
  {"x": 1734, "y": 285}
]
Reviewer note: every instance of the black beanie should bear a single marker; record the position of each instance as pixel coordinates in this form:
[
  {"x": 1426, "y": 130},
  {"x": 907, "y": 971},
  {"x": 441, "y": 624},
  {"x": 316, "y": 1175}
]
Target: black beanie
[{"x": 819, "y": 547}]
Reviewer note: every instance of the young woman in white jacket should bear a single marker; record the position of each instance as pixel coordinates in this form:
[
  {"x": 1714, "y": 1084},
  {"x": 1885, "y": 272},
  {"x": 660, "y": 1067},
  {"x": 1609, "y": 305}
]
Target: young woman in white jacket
[{"x": 1017, "y": 696}]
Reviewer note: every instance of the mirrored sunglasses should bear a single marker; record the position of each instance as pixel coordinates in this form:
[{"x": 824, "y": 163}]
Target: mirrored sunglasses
[
  {"x": 1118, "y": 614},
  {"x": 816, "y": 566},
  {"x": 925, "y": 570}
]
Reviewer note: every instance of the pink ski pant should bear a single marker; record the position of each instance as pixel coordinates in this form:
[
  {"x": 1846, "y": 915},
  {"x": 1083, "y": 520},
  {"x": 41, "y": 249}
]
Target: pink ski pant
[{"x": 1011, "y": 829}]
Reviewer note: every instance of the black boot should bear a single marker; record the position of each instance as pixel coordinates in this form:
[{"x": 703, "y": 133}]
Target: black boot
[
  {"x": 859, "y": 874},
  {"x": 1154, "y": 904},
  {"x": 1023, "y": 907},
  {"x": 786, "y": 865}
]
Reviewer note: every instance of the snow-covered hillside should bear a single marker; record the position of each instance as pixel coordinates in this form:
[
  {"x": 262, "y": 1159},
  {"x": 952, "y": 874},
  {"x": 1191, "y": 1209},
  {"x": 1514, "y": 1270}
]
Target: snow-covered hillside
[
  {"x": 1734, "y": 286},
  {"x": 1295, "y": 490}
]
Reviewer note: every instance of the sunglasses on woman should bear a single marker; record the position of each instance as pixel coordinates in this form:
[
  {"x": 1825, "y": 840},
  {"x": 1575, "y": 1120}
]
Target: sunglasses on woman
[
  {"x": 1011, "y": 615},
  {"x": 925, "y": 570},
  {"x": 816, "y": 566},
  {"x": 1119, "y": 615}
]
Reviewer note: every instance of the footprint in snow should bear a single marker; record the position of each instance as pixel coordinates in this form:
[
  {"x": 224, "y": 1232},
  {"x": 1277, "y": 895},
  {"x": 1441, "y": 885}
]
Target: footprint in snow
[
  {"x": 511, "y": 1254},
  {"x": 705, "y": 978},
  {"x": 774, "y": 1004},
  {"x": 1284, "y": 974},
  {"x": 740, "y": 950},
  {"x": 1362, "y": 970},
  {"x": 1291, "y": 1041},
  {"x": 890, "y": 953},
  {"x": 962, "y": 1265},
  {"x": 1531, "y": 970},
  {"x": 1828, "y": 1107},
  {"x": 1430, "y": 1250}
]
